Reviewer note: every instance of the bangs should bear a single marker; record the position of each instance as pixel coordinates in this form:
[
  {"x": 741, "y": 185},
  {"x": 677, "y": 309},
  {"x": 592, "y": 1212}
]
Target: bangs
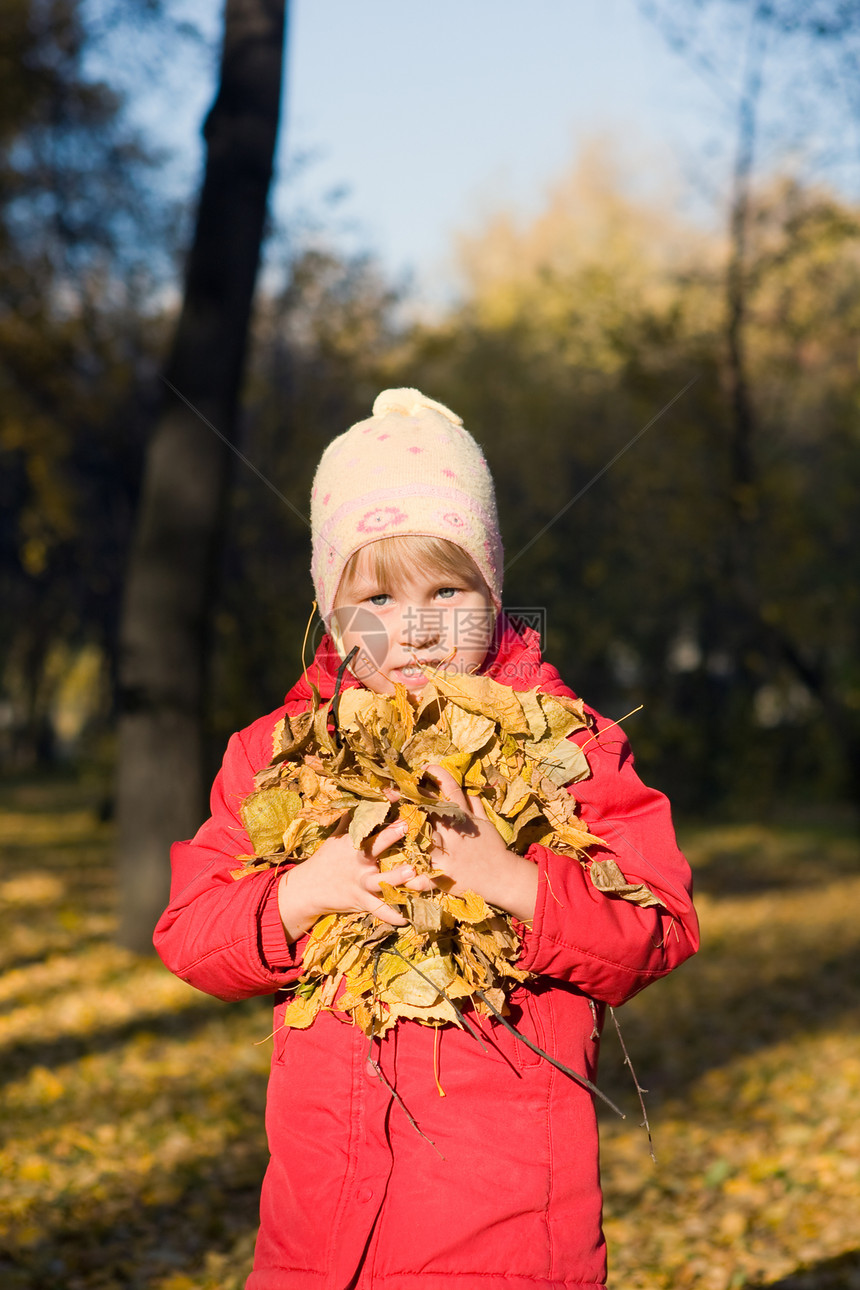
[{"x": 388, "y": 560}]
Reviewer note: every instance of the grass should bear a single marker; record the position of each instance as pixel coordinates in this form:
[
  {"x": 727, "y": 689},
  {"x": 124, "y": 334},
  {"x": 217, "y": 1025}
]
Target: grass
[{"x": 132, "y": 1138}]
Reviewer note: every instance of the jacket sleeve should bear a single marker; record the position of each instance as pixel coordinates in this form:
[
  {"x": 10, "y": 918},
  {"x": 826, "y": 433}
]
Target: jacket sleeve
[
  {"x": 607, "y": 946},
  {"x": 221, "y": 935}
]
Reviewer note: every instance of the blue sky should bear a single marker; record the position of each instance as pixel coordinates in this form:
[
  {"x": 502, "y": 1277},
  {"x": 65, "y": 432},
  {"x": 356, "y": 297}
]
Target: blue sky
[{"x": 426, "y": 115}]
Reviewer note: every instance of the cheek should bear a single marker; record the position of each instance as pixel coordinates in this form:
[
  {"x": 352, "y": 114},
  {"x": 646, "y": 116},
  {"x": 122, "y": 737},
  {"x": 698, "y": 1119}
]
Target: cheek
[{"x": 367, "y": 631}]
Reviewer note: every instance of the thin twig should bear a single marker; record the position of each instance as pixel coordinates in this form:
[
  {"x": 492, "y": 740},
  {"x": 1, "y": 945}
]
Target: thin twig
[
  {"x": 399, "y": 1100},
  {"x": 609, "y": 726},
  {"x": 471, "y": 1029},
  {"x": 379, "y": 1072},
  {"x": 335, "y": 703},
  {"x": 640, "y": 1091},
  {"x": 566, "y": 1070}
]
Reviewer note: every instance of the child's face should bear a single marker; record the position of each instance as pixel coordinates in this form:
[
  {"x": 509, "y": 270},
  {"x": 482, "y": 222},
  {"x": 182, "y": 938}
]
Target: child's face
[{"x": 422, "y": 616}]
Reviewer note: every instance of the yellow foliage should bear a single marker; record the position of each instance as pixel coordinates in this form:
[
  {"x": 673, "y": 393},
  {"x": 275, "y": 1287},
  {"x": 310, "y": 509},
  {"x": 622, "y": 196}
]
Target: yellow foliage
[
  {"x": 157, "y": 1128},
  {"x": 512, "y": 751}
]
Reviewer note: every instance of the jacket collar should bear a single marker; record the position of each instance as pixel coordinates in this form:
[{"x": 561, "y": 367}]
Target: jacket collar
[{"x": 514, "y": 659}]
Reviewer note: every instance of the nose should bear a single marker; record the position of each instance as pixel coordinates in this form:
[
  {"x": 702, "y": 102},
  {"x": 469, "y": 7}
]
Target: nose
[{"x": 420, "y": 628}]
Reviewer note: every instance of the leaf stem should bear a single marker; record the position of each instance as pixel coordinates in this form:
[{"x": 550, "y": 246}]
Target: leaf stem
[{"x": 566, "y": 1070}]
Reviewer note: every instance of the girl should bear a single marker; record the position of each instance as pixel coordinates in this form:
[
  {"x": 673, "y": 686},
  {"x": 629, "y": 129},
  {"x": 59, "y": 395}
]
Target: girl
[{"x": 407, "y": 565}]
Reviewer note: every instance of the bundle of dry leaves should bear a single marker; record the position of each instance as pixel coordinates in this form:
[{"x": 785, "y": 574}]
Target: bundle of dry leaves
[{"x": 362, "y": 757}]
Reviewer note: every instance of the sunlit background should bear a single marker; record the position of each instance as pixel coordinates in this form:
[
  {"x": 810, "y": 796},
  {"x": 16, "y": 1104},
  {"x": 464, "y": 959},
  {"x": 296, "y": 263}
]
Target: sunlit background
[{"x": 621, "y": 240}]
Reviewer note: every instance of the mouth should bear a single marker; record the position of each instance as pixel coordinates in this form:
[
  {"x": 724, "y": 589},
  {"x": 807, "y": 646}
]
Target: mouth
[{"x": 415, "y": 671}]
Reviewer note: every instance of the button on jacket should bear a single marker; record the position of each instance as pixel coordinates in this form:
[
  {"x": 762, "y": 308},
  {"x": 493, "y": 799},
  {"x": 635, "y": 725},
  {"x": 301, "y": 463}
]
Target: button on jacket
[{"x": 508, "y": 1194}]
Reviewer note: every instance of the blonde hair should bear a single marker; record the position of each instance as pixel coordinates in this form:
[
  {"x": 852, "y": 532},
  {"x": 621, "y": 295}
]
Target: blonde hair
[{"x": 388, "y": 559}]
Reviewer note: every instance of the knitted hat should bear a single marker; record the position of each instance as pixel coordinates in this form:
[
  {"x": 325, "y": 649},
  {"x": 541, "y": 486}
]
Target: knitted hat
[{"x": 410, "y": 469}]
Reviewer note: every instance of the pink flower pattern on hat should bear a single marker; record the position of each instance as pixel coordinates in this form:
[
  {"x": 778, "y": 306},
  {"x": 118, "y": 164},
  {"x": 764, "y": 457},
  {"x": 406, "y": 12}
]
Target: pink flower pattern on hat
[{"x": 381, "y": 518}]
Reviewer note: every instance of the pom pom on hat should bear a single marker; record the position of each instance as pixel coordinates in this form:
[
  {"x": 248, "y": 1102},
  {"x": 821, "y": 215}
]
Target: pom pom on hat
[
  {"x": 409, "y": 469},
  {"x": 411, "y": 403}
]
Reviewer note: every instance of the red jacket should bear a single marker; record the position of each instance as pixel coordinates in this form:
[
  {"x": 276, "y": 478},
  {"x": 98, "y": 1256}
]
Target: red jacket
[{"x": 510, "y": 1196}]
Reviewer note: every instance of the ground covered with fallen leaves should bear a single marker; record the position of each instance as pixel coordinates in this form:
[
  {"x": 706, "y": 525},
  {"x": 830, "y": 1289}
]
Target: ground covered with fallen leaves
[{"x": 132, "y": 1145}]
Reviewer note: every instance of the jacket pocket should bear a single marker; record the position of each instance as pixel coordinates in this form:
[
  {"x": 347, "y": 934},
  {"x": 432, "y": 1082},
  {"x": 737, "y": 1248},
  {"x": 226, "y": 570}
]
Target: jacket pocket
[{"x": 529, "y": 1009}]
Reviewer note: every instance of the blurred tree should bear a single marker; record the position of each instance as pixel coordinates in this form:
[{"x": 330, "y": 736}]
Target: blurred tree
[
  {"x": 77, "y": 228},
  {"x": 166, "y": 627},
  {"x": 573, "y": 332},
  {"x": 323, "y": 346},
  {"x": 785, "y": 70}
]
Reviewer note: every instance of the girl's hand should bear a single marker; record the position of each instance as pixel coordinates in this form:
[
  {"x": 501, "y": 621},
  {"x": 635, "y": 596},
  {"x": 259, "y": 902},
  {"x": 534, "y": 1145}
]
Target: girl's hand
[
  {"x": 338, "y": 879},
  {"x": 474, "y": 857}
]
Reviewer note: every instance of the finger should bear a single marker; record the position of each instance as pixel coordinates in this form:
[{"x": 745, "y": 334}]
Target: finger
[
  {"x": 386, "y": 914},
  {"x": 421, "y": 882},
  {"x": 478, "y": 808},
  {"x": 448, "y": 785},
  {"x": 395, "y": 877},
  {"x": 387, "y": 838}
]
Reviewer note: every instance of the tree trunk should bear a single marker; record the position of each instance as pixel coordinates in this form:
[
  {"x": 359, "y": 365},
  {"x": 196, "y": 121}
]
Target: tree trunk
[
  {"x": 742, "y": 467},
  {"x": 169, "y": 586}
]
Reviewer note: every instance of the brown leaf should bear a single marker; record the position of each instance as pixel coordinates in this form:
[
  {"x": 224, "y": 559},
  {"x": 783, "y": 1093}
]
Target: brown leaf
[
  {"x": 560, "y": 761},
  {"x": 424, "y": 913},
  {"x": 607, "y": 877},
  {"x": 534, "y": 712},
  {"x": 426, "y": 746},
  {"x": 367, "y": 817},
  {"x": 485, "y": 697},
  {"x": 517, "y": 795},
  {"x": 424, "y": 986}
]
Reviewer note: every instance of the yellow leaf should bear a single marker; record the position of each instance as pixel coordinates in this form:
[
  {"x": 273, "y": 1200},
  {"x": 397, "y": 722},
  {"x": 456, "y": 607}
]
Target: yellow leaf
[
  {"x": 321, "y": 733},
  {"x": 424, "y": 913},
  {"x": 485, "y": 697},
  {"x": 309, "y": 782},
  {"x": 516, "y": 796},
  {"x": 293, "y": 835},
  {"x": 404, "y": 718},
  {"x": 534, "y": 713},
  {"x": 427, "y": 746},
  {"x": 415, "y": 820},
  {"x": 366, "y": 817},
  {"x": 575, "y": 834},
  {"x": 475, "y": 778},
  {"x": 323, "y": 926},
  {"x": 365, "y": 706},
  {"x": 559, "y": 760},
  {"x": 266, "y": 814},
  {"x": 531, "y": 812},
  {"x": 563, "y": 715},
  {"x": 435, "y": 1013},
  {"x": 468, "y": 908},
  {"x": 277, "y": 735},
  {"x": 424, "y": 986},
  {"x": 469, "y": 730},
  {"x": 301, "y": 1012},
  {"x": 393, "y": 895},
  {"x": 502, "y": 826},
  {"x": 457, "y": 765}
]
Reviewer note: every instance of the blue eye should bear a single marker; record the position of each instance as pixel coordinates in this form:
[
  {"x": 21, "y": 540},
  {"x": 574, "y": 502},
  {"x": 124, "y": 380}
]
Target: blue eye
[
  {"x": 379, "y": 599},
  {"x": 447, "y": 592}
]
